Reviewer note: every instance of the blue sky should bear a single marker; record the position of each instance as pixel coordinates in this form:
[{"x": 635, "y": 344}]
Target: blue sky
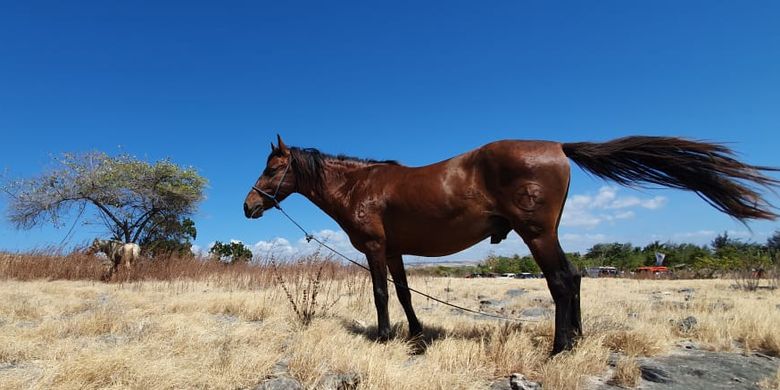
[{"x": 210, "y": 84}]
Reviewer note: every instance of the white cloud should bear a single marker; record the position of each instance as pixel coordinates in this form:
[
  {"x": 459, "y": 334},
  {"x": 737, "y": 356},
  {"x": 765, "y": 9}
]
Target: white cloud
[
  {"x": 696, "y": 234},
  {"x": 281, "y": 248},
  {"x": 575, "y": 242},
  {"x": 607, "y": 205},
  {"x": 196, "y": 250}
]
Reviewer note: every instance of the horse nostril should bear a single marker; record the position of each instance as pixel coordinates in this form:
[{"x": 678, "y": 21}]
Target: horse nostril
[{"x": 246, "y": 210}]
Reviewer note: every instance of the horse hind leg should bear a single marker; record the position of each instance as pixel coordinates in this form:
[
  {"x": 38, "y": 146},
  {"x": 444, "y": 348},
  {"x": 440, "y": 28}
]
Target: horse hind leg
[{"x": 563, "y": 280}]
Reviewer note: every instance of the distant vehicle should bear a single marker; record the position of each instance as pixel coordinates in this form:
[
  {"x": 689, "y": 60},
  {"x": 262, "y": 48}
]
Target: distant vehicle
[
  {"x": 656, "y": 271},
  {"x": 508, "y": 275},
  {"x": 601, "y": 272},
  {"x": 525, "y": 275}
]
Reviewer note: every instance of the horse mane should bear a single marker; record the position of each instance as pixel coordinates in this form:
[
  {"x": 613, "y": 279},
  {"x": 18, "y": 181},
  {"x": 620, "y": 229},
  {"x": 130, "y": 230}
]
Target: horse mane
[{"x": 308, "y": 163}]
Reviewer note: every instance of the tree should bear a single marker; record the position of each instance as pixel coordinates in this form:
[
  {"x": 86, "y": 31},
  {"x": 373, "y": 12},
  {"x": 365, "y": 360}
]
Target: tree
[
  {"x": 773, "y": 243},
  {"x": 722, "y": 241},
  {"x": 527, "y": 264},
  {"x": 624, "y": 256},
  {"x": 231, "y": 252},
  {"x": 170, "y": 236},
  {"x": 132, "y": 199}
]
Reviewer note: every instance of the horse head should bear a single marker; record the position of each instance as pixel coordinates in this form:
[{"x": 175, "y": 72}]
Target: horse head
[
  {"x": 275, "y": 183},
  {"x": 95, "y": 247}
]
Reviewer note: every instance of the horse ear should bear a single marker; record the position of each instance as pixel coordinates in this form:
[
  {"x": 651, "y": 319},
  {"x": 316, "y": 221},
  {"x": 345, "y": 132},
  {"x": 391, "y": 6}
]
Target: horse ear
[
  {"x": 273, "y": 147},
  {"x": 282, "y": 146}
]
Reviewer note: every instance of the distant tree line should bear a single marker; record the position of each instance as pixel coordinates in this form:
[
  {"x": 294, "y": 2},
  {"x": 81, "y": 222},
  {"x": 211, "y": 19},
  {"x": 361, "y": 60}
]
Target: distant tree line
[
  {"x": 723, "y": 254},
  {"x": 230, "y": 253}
]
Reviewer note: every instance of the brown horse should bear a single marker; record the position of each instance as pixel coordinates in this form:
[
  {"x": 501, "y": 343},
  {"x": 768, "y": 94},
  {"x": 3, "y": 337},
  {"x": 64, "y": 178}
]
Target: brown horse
[{"x": 389, "y": 210}]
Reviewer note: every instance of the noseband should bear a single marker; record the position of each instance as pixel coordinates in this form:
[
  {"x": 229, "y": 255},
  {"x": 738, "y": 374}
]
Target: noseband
[{"x": 278, "y": 186}]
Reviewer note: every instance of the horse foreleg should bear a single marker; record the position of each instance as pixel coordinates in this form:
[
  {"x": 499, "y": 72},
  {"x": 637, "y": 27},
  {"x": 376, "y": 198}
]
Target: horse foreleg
[
  {"x": 378, "y": 267},
  {"x": 396, "y": 266},
  {"x": 563, "y": 280}
]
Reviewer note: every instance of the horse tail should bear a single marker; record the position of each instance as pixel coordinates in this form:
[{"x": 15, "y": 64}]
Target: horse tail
[{"x": 708, "y": 169}]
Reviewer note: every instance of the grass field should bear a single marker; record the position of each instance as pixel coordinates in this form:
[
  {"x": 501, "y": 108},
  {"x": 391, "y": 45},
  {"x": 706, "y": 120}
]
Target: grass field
[{"x": 233, "y": 328}]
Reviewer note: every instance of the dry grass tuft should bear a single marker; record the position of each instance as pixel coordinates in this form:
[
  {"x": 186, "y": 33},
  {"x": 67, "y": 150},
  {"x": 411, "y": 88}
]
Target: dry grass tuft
[
  {"x": 627, "y": 373},
  {"x": 633, "y": 343},
  {"x": 567, "y": 370}
]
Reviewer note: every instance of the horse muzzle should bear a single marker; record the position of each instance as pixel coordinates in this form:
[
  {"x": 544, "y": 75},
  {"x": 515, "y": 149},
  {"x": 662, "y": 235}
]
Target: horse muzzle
[{"x": 253, "y": 212}]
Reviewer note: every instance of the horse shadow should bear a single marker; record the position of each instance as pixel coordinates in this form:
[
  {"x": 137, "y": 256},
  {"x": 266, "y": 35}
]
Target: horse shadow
[{"x": 419, "y": 344}]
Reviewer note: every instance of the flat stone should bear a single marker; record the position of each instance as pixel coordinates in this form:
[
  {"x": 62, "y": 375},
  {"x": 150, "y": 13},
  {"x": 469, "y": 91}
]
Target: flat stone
[
  {"x": 516, "y": 292},
  {"x": 689, "y": 345},
  {"x": 520, "y": 382},
  {"x": 703, "y": 370},
  {"x": 655, "y": 374},
  {"x": 492, "y": 302},
  {"x": 280, "y": 383},
  {"x": 348, "y": 381},
  {"x": 536, "y": 312},
  {"x": 515, "y": 382}
]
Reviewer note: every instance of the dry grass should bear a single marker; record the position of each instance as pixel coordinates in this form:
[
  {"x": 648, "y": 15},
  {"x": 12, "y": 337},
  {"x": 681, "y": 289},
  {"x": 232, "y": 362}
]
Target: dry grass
[
  {"x": 217, "y": 327},
  {"x": 771, "y": 383},
  {"x": 627, "y": 373}
]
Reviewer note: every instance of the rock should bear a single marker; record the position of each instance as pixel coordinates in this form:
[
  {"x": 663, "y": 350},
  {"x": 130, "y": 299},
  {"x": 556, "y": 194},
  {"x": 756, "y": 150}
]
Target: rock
[
  {"x": 502, "y": 384},
  {"x": 686, "y": 290},
  {"x": 520, "y": 382},
  {"x": 778, "y": 307},
  {"x": 535, "y": 312},
  {"x": 7, "y": 366},
  {"x": 347, "y": 381},
  {"x": 613, "y": 359},
  {"x": 516, "y": 292},
  {"x": 687, "y": 324},
  {"x": 516, "y": 382},
  {"x": 721, "y": 306},
  {"x": 280, "y": 383},
  {"x": 670, "y": 305},
  {"x": 700, "y": 370},
  {"x": 654, "y": 374},
  {"x": 493, "y": 304},
  {"x": 281, "y": 367},
  {"x": 226, "y": 318},
  {"x": 689, "y": 345}
]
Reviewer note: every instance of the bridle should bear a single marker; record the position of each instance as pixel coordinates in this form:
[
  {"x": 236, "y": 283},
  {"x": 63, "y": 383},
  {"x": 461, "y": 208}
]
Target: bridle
[{"x": 278, "y": 186}]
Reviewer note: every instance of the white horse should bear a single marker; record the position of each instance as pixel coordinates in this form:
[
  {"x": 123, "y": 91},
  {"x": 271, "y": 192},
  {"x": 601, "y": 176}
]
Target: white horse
[{"x": 117, "y": 252}]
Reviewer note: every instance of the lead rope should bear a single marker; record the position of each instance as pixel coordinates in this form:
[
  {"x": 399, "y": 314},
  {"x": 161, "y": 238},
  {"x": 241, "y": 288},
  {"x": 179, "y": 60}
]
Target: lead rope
[{"x": 310, "y": 237}]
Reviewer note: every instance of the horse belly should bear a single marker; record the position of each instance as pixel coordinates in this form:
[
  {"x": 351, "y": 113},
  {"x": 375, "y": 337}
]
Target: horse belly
[{"x": 438, "y": 237}]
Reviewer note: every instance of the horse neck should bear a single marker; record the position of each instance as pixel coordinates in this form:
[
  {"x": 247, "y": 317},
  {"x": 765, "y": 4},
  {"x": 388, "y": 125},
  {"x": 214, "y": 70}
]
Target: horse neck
[{"x": 331, "y": 195}]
